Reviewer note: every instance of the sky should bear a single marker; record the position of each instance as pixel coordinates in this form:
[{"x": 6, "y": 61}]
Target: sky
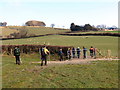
[{"x": 60, "y": 12}]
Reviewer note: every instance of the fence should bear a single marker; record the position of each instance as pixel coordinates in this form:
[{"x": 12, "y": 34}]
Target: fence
[{"x": 28, "y": 49}]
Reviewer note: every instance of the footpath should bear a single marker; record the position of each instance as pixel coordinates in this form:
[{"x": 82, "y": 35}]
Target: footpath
[{"x": 77, "y": 61}]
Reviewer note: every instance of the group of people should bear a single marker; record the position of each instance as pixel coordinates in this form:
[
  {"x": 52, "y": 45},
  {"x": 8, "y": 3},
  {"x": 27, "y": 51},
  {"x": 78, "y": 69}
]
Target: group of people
[
  {"x": 76, "y": 52},
  {"x": 71, "y": 53}
]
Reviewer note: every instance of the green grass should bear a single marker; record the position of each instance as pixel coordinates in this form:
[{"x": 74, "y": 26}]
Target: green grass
[
  {"x": 7, "y": 31},
  {"x": 101, "y": 42},
  {"x": 98, "y": 74},
  {"x": 96, "y": 32},
  {"x": 38, "y": 30}
]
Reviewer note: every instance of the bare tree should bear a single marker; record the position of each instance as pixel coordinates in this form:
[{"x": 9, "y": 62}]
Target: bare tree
[
  {"x": 52, "y": 25},
  {"x": 102, "y": 26}
]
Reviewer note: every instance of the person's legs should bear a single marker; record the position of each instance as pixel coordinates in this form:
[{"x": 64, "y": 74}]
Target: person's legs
[
  {"x": 41, "y": 62},
  {"x": 45, "y": 60},
  {"x": 42, "y": 59},
  {"x": 18, "y": 60},
  {"x": 78, "y": 55},
  {"x": 84, "y": 55},
  {"x": 61, "y": 58},
  {"x": 73, "y": 55},
  {"x": 69, "y": 57},
  {"x": 90, "y": 54}
]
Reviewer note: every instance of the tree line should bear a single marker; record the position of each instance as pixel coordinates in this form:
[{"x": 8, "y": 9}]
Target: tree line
[{"x": 86, "y": 27}]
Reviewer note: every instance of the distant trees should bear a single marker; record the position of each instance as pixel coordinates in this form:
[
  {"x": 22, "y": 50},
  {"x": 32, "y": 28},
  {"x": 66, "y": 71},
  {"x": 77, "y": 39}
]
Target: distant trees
[
  {"x": 112, "y": 28},
  {"x": 35, "y": 23},
  {"x": 102, "y": 26},
  {"x": 86, "y": 27},
  {"x": 3, "y": 23}
]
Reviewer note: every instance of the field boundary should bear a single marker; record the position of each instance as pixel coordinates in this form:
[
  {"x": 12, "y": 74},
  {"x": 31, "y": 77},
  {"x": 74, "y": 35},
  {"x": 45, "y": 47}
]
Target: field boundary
[
  {"x": 94, "y": 34},
  {"x": 27, "y": 37},
  {"x": 68, "y": 34}
]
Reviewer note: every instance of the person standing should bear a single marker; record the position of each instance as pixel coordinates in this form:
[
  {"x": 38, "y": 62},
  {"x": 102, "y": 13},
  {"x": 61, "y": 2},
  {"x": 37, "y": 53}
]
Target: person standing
[
  {"x": 91, "y": 51},
  {"x": 60, "y": 53},
  {"x": 84, "y": 52},
  {"x": 69, "y": 53},
  {"x": 44, "y": 54},
  {"x": 73, "y": 52},
  {"x": 78, "y": 52},
  {"x": 41, "y": 51},
  {"x": 17, "y": 55}
]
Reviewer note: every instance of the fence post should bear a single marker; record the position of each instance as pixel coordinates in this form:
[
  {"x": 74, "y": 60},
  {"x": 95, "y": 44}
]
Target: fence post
[{"x": 108, "y": 54}]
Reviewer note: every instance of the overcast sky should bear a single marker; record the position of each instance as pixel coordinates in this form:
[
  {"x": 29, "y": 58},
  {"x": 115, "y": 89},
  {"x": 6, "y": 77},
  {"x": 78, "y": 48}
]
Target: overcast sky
[{"x": 60, "y": 12}]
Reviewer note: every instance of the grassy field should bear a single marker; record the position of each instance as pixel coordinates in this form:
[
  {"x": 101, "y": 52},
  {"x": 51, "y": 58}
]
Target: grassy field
[
  {"x": 101, "y": 42},
  {"x": 6, "y": 31},
  {"x": 96, "y": 32},
  {"x": 36, "y": 30},
  {"x": 97, "y": 74}
]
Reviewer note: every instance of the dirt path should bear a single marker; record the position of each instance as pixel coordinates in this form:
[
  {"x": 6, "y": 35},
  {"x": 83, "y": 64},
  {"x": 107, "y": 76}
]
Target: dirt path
[{"x": 76, "y": 61}]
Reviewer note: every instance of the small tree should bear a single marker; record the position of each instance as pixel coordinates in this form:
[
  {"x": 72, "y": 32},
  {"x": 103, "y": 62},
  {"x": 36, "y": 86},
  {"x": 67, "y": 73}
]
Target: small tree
[
  {"x": 52, "y": 25},
  {"x": 72, "y": 27}
]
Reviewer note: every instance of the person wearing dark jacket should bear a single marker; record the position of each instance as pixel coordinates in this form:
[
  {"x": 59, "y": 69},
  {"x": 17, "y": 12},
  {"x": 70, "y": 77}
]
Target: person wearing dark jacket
[
  {"x": 84, "y": 52},
  {"x": 78, "y": 52},
  {"x": 17, "y": 55},
  {"x": 73, "y": 52},
  {"x": 44, "y": 53},
  {"x": 60, "y": 53},
  {"x": 91, "y": 51}
]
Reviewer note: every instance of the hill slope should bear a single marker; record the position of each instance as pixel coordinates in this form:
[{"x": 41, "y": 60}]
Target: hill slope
[{"x": 31, "y": 30}]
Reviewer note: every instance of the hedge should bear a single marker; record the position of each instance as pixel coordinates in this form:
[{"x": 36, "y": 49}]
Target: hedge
[
  {"x": 28, "y": 49},
  {"x": 94, "y": 34}
]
